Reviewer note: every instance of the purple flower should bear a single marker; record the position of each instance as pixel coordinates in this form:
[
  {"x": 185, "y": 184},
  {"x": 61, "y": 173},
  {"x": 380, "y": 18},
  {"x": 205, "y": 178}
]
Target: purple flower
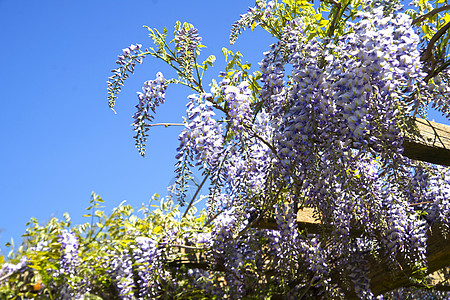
[{"x": 153, "y": 94}]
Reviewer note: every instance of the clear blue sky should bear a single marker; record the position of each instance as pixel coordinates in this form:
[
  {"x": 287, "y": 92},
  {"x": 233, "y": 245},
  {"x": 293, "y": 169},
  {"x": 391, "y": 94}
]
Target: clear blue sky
[{"x": 59, "y": 139}]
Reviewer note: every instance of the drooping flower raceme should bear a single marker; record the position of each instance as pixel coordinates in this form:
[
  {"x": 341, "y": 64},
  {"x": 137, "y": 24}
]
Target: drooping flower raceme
[
  {"x": 202, "y": 137},
  {"x": 238, "y": 104},
  {"x": 153, "y": 95},
  {"x": 69, "y": 248},
  {"x": 147, "y": 258},
  {"x": 201, "y": 141},
  {"x": 440, "y": 193},
  {"x": 121, "y": 270},
  {"x": 127, "y": 62},
  {"x": 255, "y": 15},
  {"x": 68, "y": 265}
]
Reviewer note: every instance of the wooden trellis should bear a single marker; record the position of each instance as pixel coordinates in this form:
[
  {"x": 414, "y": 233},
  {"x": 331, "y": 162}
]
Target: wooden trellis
[{"x": 429, "y": 142}]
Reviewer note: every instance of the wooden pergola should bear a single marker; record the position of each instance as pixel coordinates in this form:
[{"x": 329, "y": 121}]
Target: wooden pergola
[{"x": 428, "y": 142}]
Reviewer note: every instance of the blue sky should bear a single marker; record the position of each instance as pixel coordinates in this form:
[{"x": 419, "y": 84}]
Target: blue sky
[{"x": 59, "y": 139}]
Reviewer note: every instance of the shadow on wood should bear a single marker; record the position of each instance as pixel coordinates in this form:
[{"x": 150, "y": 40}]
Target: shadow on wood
[{"x": 429, "y": 141}]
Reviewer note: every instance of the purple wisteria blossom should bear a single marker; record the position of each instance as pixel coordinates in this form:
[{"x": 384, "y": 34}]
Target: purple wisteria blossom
[
  {"x": 153, "y": 95},
  {"x": 202, "y": 138},
  {"x": 127, "y": 62},
  {"x": 147, "y": 258},
  {"x": 121, "y": 270},
  {"x": 68, "y": 265},
  {"x": 187, "y": 42}
]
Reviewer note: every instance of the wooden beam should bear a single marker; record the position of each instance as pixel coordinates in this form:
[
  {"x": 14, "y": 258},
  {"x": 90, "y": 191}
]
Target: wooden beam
[
  {"x": 305, "y": 220},
  {"x": 382, "y": 277},
  {"x": 438, "y": 256},
  {"x": 428, "y": 141}
]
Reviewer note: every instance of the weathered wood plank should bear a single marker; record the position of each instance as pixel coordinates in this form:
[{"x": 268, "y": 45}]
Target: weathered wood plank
[
  {"x": 430, "y": 142},
  {"x": 305, "y": 220},
  {"x": 438, "y": 256}
]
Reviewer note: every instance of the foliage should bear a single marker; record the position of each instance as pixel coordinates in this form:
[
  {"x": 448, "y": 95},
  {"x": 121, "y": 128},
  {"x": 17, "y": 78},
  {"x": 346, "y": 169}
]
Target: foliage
[{"x": 326, "y": 136}]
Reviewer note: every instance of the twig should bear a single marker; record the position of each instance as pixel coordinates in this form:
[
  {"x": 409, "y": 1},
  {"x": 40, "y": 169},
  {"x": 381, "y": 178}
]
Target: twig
[
  {"x": 4, "y": 277},
  {"x": 166, "y": 124},
  {"x": 213, "y": 218},
  {"x": 195, "y": 195},
  {"x": 426, "y": 202}
]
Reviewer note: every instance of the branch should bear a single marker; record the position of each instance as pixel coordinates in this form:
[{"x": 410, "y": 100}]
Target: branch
[
  {"x": 427, "y": 53},
  {"x": 435, "y": 72},
  {"x": 4, "y": 277},
  {"x": 444, "y": 288},
  {"x": 429, "y": 14},
  {"x": 335, "y": 17},
  {"x": 187, "y": 247}
]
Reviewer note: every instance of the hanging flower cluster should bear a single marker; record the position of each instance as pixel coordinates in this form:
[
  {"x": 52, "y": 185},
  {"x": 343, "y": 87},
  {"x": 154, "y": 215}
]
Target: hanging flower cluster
[
  {"x": 69, "y": 263},
  {"x": 202, "y": 138},
  {"x": 147, "y": 258},
  {"x": 127, "y": 62},
  {"x": 153, "y": 95}
]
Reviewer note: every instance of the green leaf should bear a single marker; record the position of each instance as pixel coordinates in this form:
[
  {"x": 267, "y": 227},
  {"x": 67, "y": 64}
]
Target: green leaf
[
  {"x": 208, "y": 62},
  {"x": 91, "y": 297},
  {"x": 157, "y": 229},
  {"x": 67, "y": 217},
  {"x": 36, "y": 267},
  {"x": 446, "y": 18},
  {"x": 323, "y": 23}
]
